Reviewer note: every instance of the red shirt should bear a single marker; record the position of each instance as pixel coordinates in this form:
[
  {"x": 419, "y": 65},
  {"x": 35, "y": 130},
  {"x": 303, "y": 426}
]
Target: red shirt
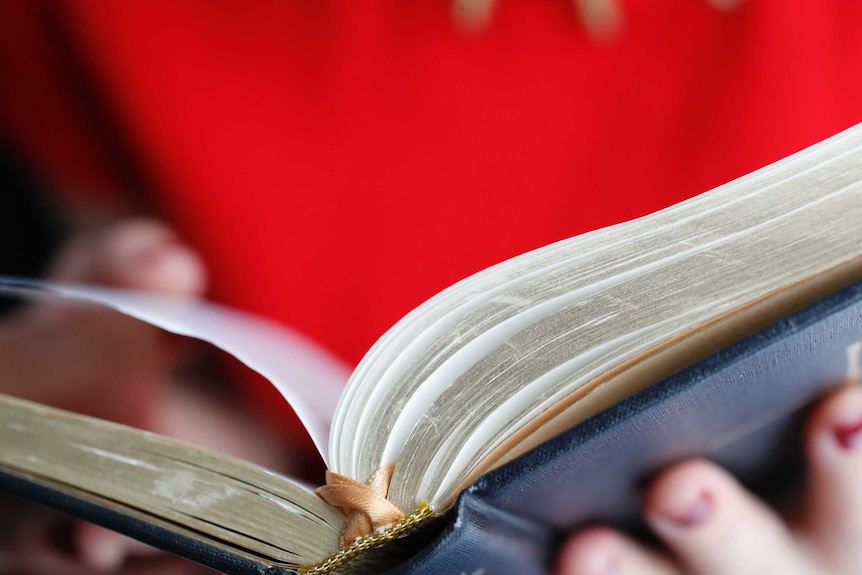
[{"x": 337, "y": 163}]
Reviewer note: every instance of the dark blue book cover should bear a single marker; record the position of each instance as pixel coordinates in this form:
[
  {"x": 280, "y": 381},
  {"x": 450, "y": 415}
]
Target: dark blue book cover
[{"x": 741, "y": 407}]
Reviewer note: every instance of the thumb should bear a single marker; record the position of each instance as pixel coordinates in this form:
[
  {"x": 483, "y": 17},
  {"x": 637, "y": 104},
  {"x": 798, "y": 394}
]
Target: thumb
[{"x": 104, "y": 551}]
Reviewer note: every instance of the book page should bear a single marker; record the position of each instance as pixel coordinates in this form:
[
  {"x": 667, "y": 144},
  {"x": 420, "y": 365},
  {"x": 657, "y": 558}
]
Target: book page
[
  {"x": 481, "y": 363},
  {"x": 219, "y": 500},
  {"x": 309, "y": 378}
]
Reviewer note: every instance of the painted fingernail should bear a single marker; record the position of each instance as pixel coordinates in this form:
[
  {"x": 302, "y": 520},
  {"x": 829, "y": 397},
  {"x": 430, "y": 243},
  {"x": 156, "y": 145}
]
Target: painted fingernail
[
  {"x": 693, "y": 515},
  {"x": 849, "y": 436}
]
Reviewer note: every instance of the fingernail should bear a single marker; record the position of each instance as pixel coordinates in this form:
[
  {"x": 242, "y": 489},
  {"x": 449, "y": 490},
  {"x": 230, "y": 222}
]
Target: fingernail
[
  {"x": 694, "y": 514},
  {"x": 848, "y": 436},
  {"x": 101, "y": 550},
  {"x": 169, "y": 267}
]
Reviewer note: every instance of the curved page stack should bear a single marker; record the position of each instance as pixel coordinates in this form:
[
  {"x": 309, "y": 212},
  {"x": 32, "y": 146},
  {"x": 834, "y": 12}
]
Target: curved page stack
[{"x": 525, "y": 400}]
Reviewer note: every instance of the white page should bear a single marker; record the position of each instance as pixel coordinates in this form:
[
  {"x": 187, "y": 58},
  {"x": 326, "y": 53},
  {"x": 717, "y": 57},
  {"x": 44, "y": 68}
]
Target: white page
[{"x": 309, "y": 377}]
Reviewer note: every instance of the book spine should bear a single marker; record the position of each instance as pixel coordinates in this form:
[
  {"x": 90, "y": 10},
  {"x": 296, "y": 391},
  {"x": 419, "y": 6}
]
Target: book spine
[{"x": 484, "y": 540}]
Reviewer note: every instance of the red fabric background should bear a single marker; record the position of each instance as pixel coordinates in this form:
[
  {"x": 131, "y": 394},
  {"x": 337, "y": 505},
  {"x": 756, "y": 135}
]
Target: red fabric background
[{"x": 339, "y": 162}]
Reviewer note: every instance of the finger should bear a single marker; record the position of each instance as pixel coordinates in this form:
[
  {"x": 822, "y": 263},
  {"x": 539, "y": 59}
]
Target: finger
[
  {"x": 164, "y": 565},
  {"x": 92, "y": 355},
  {"x": 105, "y": 551},
  {"x": 714, "y": 527},
  {"x": 141, "y": 254},
  {"x": 604, "y": 551},
  {"x": 41, "y": 542},
  {"x": 94, "y": 351},
  {"x": 38, "y": 541},
  {"x": 18, "y": 563},
  {"x": 52, "y": 564},
  {"x": 832, "y": 515}
]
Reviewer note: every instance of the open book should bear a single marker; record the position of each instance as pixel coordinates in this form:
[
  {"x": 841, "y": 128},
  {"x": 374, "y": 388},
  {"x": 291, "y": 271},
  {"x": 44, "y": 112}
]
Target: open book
[{"x": 528, "y": 398}]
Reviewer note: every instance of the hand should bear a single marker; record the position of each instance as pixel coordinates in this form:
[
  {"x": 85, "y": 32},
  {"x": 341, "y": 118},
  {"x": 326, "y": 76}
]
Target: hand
[
  {"x": 711, "y": 526},
  {"x": 107, "y": 365},
  {"x": 76, "y": 357}
]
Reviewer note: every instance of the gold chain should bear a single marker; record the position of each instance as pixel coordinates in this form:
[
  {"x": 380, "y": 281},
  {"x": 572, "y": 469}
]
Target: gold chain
[{"x": 423, "y": 513}]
